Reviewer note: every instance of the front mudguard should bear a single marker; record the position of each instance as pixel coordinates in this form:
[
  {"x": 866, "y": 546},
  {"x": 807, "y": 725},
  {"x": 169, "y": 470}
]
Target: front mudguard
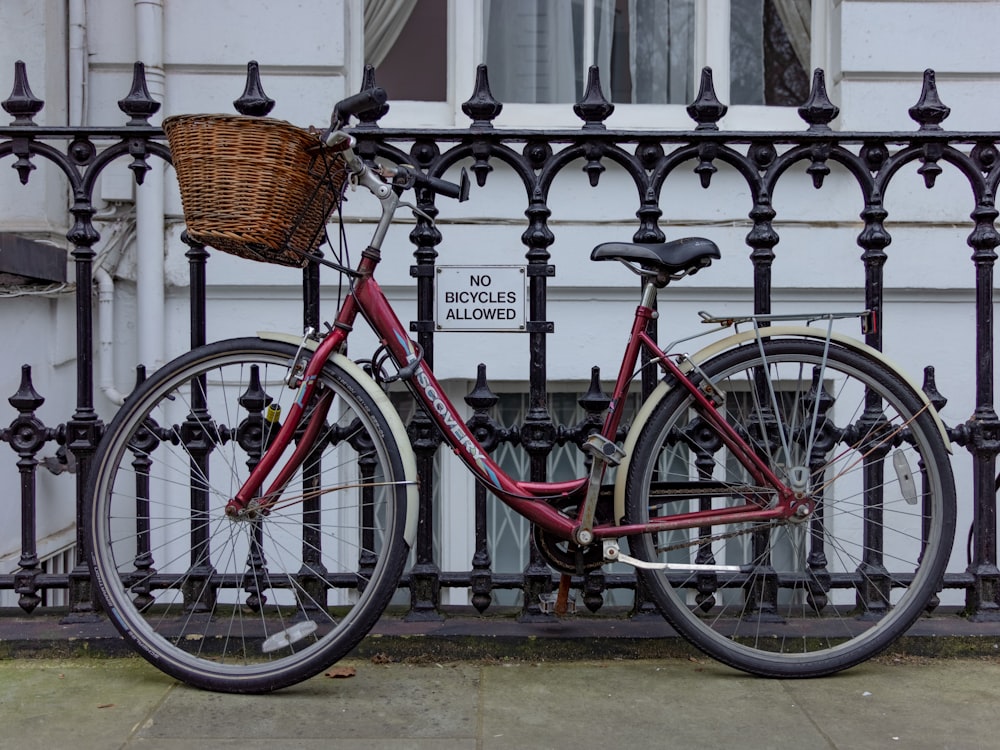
[{"x": 396, "y": 426}]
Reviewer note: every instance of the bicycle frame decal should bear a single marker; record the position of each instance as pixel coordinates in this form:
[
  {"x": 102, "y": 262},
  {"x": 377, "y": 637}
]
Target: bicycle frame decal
[
  {"x": 404, "y": 341},
  {"x": 450, "y": 421},
  {"x": 424, "y": 386},
  {"x": 432, "y": 397},
  {"x": 306, "y": 387}
]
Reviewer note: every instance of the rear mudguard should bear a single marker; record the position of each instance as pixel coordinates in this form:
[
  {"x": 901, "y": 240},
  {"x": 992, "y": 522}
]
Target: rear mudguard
[
  {"x": 731, "y": 342},
  {"x": 396, "y": 427}
]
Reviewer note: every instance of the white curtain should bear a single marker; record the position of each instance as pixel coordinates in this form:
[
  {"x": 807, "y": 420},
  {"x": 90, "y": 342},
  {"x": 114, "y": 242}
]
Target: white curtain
[
  {"x": 661, "y": 50},
  {"x": 534, "y": 48},
  {"x": 796, "y": 17},
  {"x": 384, "y": 19},
  {"x": 748, "y": 45},
  {"x": 746, "y": 50}
]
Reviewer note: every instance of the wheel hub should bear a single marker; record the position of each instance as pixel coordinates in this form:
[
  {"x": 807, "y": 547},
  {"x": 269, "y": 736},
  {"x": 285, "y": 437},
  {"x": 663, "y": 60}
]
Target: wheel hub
[{"x": 251, "y": 512}]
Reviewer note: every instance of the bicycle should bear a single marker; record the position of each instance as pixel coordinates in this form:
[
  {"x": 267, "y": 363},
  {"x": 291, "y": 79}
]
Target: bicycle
[{"x": 785, "y": 493}]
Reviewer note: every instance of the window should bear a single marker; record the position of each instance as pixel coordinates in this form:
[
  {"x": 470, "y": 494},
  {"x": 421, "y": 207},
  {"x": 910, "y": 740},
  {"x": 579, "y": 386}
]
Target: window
[
  {"x": 649, "y": 52},
  {"x": 770, "y": 52},
  {"x": 399, "y": 33},
  {"x": 538, "y": 51}
]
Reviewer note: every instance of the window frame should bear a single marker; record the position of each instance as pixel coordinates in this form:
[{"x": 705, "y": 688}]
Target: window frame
[{"x": 711, "y": 48}]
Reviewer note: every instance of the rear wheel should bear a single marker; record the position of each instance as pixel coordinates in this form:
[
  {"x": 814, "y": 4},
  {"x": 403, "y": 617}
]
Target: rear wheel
[
  {"x": 260, "y": 601},
  {"x": 815, "y": 595}
]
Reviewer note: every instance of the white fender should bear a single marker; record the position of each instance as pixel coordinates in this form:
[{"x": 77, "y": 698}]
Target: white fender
[
  {"x": 396, "y": 426},
  {"x": 731, "y": 342}
]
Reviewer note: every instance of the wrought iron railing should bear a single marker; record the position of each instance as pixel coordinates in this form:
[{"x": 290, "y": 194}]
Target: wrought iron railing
[{"x": 648, "y": 158}]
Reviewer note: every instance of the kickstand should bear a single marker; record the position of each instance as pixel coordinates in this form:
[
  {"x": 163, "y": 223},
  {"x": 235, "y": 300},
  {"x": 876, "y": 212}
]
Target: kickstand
[
  {"x": 562, "y": 598},
  {"x": 559, "y": 603}
]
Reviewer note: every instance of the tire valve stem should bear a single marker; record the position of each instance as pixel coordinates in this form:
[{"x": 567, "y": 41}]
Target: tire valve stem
[
  {"x": 273, "y": 413},
  {"x": 272, "y": 423}
]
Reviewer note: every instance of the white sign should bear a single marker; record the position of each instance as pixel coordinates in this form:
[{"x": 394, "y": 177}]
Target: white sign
[{"x": 480, "y": 298}]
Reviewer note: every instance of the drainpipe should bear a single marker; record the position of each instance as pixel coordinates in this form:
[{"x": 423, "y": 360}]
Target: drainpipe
[
  {"x": 78, "y": 117},
  {"x": 77, "y": 63},
  {"x": 150, "y": 275},
  {"x": 106, "y": 335},
  {"x": 122, "y": 233}
]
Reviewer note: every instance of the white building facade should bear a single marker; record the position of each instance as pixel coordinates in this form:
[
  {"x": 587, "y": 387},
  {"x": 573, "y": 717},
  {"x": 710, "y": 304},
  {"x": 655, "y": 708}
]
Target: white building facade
[{"x": 79, "y": 56}]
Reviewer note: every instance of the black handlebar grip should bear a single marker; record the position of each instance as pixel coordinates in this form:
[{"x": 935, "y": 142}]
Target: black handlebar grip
[
  {"x": 448, "y": 189},
  {"x": 358, "y": 103}
]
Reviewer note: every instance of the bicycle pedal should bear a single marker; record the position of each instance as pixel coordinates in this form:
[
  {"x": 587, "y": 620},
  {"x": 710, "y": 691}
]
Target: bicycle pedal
[
  {"x": 548, "y": 604},
  {"x": 603, "y": 449}
]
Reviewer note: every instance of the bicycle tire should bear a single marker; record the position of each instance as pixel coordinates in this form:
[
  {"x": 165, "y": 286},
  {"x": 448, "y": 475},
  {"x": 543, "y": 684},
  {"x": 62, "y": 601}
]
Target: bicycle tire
[
  {"x": 261, "y": 602},
  {"x": 814, "y": 596}
]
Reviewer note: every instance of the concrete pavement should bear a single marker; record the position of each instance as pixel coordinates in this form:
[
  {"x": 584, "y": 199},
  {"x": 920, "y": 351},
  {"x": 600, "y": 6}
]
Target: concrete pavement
[{"x": 903, "y": 702}]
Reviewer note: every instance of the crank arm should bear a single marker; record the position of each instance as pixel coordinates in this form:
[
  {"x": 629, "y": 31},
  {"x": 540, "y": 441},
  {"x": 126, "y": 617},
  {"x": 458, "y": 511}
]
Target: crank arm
[{"x": 612, "y": 553}]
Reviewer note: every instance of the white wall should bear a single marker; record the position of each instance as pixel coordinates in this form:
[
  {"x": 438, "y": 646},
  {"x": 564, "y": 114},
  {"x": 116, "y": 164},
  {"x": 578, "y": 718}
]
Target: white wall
[
  {"x": 38, "y": 330},
  {"x": 885, "y": 45}
]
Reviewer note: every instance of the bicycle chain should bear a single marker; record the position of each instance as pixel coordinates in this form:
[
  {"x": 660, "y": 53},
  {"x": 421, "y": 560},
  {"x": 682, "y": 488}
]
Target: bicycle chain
[{"x": 717, "y": 537}]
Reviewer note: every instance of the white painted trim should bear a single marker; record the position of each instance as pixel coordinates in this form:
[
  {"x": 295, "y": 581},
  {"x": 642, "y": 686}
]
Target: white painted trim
[
  {"x": 354, "y": 53},
  {"x": 714, "y": 35}
]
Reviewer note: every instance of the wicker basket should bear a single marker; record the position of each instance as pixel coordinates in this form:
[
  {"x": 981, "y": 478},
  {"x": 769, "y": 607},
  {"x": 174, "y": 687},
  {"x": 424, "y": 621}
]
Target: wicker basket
[{"x": 255, "y": 187}]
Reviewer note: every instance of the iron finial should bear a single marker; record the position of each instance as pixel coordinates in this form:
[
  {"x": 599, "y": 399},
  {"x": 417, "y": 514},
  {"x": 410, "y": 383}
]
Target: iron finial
[
  {"x": 706, "y": 109},
  {"x": 929, "y": 111},
  {"x": 139, "y": 105},
  {"x": 482, "y": 107},
  {"x": 21, "y": 103},
  {"x": 254, "y": 101},
  {"x": 593, "y": 109}
]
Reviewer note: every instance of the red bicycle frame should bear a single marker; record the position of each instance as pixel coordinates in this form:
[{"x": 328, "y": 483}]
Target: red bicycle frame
[{"x": 530, "y": 499}]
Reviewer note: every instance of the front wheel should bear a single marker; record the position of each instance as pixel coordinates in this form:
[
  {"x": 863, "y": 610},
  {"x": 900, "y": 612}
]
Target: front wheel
[
  {"x": 809, "y": 596},
  {"x": 264, "y": 600}
]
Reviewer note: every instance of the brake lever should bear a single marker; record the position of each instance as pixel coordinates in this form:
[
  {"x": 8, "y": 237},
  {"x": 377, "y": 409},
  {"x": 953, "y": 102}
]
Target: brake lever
[{"x": 417, "y": 211}]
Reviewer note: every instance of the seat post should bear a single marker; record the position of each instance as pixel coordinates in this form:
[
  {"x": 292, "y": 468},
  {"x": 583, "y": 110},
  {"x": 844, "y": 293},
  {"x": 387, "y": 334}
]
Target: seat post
[{"x": 648, "y": 292}]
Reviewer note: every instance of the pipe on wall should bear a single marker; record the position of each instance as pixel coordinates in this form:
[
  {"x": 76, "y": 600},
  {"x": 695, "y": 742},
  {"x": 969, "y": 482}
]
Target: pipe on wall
[
  {"x": 77, "y": 17},
  {"x": 149, "y": 200}
]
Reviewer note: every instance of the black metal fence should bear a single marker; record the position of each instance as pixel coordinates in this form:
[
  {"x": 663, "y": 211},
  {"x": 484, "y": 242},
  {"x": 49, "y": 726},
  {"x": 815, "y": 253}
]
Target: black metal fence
[{"x": 873, "y": 159}]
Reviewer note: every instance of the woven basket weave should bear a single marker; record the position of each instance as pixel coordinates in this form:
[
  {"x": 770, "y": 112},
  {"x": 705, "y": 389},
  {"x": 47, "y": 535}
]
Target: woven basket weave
[{"x": 255, "y": 187}]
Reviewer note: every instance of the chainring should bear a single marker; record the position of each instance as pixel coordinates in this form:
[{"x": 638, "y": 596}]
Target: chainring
[{"x": 565, "y": 556}]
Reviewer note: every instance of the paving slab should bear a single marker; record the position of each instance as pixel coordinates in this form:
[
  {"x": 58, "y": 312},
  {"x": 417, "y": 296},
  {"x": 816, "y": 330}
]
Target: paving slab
[
  {"x": 376, "y": 703},
  {"x": 80, "y": 703},
  {"x": 83, "y": 703},
  {"x": 637, "y": 704},
  {"x": 935, "y": 704}
]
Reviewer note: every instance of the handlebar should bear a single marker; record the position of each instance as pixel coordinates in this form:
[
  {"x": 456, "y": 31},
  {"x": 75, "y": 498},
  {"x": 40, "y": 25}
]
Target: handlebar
[
  {"x": 357, "y": 104},
  {"x": 402, "y": 177},
  {"x": 406, "y": 177}
]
